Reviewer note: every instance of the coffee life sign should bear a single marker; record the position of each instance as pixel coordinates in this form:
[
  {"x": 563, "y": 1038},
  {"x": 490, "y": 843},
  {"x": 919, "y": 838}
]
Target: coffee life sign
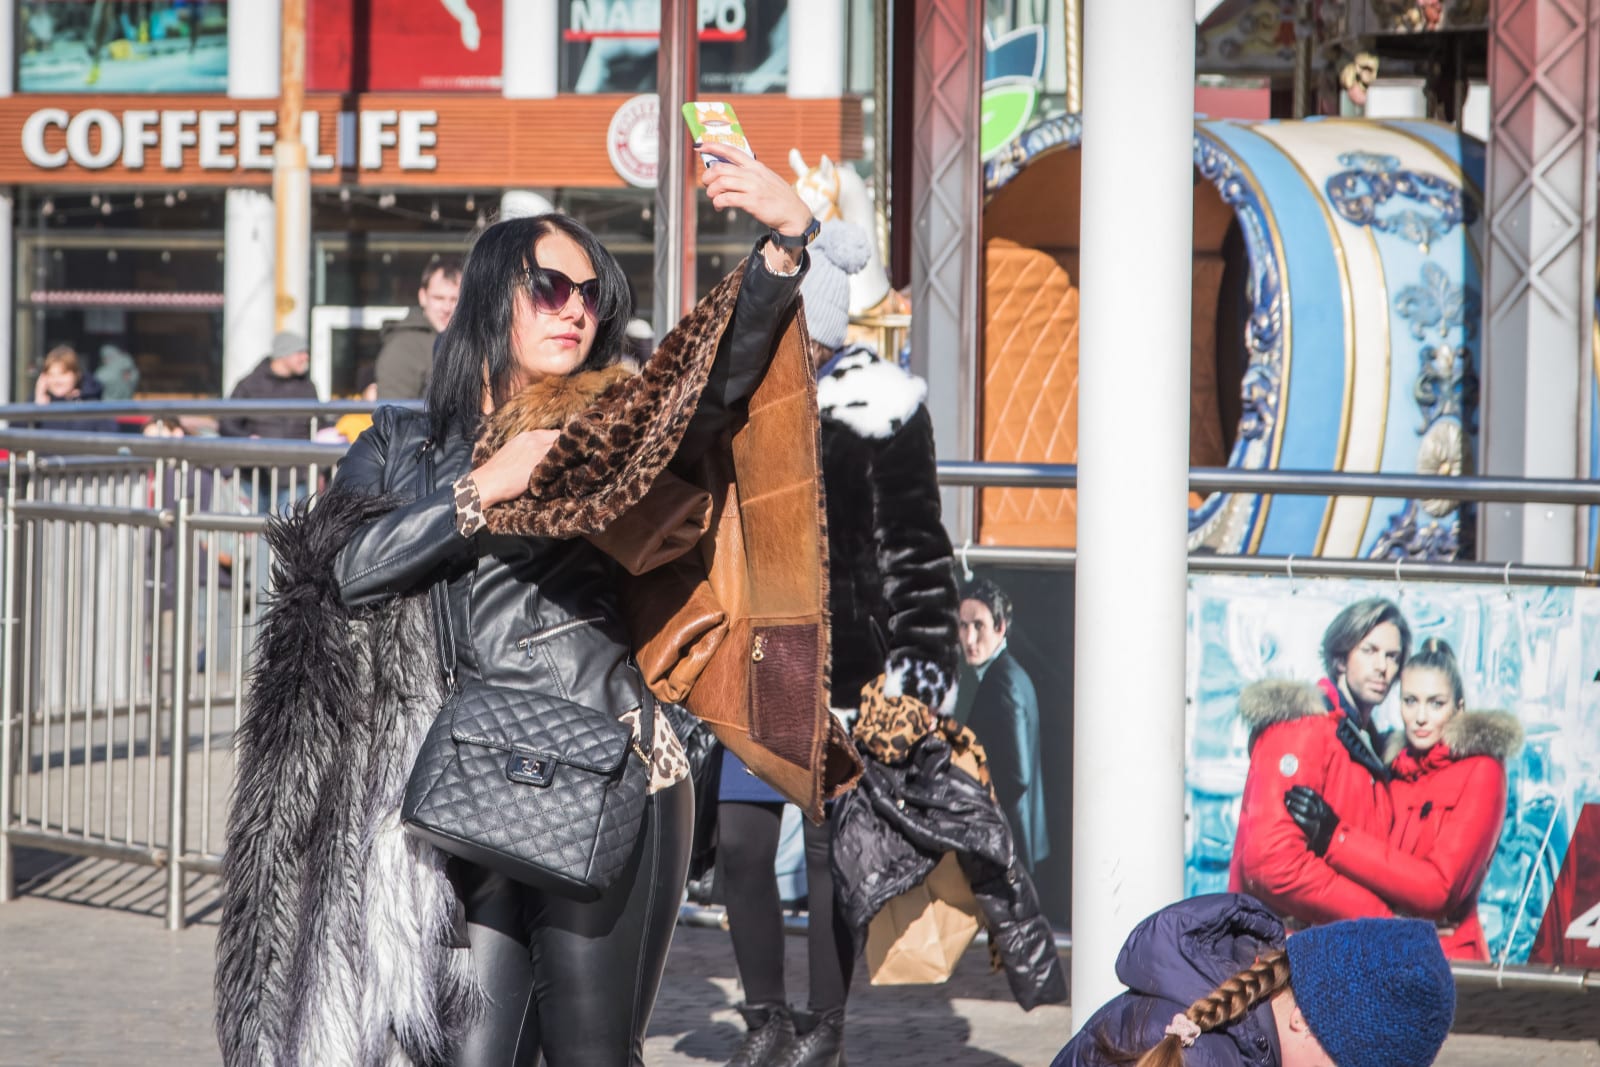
[{"x": 224, "y": 139}]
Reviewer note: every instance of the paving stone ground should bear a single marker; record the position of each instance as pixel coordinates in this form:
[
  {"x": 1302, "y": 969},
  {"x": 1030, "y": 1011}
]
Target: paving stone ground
[{"x": 90, "y": 976}]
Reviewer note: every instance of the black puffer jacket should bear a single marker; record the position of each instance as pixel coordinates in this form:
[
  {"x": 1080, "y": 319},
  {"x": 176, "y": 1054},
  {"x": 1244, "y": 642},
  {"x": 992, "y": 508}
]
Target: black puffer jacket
[
  {"x": 895, "y": 825},
  {"x": 892, "y": 588}
]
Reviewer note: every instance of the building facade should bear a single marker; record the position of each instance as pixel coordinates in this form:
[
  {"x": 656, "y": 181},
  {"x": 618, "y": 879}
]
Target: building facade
[{"x": 136, "y": 150}]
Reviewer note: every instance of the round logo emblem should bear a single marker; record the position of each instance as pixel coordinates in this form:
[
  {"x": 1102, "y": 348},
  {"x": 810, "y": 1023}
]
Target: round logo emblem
[
  {"x": 1288, "y": 765},
  {"x": 633, "y": 140}
]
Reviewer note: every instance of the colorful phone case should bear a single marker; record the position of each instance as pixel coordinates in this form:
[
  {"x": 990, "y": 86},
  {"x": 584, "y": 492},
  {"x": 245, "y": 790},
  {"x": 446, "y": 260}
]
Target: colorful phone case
[{"x": 712, "y": 122}]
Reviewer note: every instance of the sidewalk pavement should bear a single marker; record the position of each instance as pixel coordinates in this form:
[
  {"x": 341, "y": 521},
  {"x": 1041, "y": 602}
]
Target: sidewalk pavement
[{"x": 89, "y": 976}]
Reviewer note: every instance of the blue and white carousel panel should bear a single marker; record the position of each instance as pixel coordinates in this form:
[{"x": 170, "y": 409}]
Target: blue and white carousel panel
[{"x": 1363, "y": 338}]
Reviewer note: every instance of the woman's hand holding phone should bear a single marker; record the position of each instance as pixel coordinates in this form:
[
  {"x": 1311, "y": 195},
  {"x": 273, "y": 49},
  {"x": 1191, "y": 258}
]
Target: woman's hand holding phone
[{"x": 741, "y": 181}]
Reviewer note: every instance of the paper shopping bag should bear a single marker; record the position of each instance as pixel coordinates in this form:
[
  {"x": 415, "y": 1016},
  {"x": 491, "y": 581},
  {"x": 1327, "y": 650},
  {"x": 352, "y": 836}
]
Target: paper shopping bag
[{"x": 920, "y": 935}]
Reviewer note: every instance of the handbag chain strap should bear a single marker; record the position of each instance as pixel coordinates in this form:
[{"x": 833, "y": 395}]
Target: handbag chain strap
[{"x": 444, "y": 635}]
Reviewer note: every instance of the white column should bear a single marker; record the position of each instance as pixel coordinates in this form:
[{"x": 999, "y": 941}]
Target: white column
[
  {"x": 1128, "y": 723},
  {"x": 532, "y": 35},
  {"x": 247, "y": 282},
  {"x": 8, "y": 46},
  {"x": 248, "y": 229},
  {"x": 254, "y": 33},
  {"x": 8, "y": 312},
  {"x": 1544, "y": 74},
  {"x": 816, "y": 49}
]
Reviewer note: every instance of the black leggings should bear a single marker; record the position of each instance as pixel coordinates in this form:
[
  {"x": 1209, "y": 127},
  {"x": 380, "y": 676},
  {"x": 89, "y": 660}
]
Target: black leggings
[
  {"x": 572, "y": 980},
  {"x": 747, "y": 844}
]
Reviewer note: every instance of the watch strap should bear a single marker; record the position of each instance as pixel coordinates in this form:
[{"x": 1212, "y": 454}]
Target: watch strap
[{"x": 798, "y": 240}]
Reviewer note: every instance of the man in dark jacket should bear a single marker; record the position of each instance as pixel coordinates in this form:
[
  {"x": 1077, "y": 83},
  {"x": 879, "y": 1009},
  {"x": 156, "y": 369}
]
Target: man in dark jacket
[
  {"x": 1005, "y": 718},
  {"x": 282, "y": 375},
  {"x": 405, "y": 363}
]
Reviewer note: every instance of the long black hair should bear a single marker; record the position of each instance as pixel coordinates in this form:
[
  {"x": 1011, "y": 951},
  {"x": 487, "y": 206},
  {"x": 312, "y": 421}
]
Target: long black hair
[{"x": 479, "y": 334}]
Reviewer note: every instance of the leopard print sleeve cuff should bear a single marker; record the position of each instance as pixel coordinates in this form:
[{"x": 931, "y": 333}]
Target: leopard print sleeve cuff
[{"x": 469, "y": 506}]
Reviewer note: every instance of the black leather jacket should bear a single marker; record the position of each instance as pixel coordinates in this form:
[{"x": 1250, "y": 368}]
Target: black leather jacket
[{"x": 530, "y": 612}]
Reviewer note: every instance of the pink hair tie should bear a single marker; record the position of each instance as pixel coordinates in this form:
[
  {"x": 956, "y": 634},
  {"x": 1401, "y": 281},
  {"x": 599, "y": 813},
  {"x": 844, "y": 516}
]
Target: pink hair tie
[{"x": 1185, "y": 1029}]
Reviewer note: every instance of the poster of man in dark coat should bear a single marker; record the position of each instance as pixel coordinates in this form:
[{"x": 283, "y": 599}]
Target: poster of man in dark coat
[{"x": 1005, "y": 717}]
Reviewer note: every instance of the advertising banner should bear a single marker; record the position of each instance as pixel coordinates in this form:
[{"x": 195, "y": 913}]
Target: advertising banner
[
  {"x": 1016, "y": 696},
  {"x": 610, "y": 46},
  {"x": 122, "y": 46},
  {"x": 1473, "y": 799},
  {"x": 405, "y": 46}
]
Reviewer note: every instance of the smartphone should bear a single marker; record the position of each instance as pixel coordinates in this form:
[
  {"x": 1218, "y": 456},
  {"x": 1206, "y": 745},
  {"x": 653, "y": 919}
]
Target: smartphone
[{"x": 712, "y": 122}]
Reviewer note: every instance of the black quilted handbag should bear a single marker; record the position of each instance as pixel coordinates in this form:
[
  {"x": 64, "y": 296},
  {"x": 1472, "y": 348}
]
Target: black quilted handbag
[{"x": 542, "y": 790}]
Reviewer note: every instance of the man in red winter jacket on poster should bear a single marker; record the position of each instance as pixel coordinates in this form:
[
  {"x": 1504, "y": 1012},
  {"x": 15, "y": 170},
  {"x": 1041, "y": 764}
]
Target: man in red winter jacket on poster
[{"x": 1323, "y": 737}]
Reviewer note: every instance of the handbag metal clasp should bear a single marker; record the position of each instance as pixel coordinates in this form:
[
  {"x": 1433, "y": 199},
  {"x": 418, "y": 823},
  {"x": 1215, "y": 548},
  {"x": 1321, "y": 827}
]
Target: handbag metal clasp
[{"x": 531, "y": 768}]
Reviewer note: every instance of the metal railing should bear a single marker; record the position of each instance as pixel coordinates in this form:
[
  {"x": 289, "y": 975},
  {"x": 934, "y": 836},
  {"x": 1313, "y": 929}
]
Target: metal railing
[
  {"x": 1301, "y": 483},
  {"x": 134, "y": 573},
  {"x": 133, "y": 576}
]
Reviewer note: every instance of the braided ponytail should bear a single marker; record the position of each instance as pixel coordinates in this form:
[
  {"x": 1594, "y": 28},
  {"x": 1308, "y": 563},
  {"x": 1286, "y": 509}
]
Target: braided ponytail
[{"x": 1223, "y": 1006}]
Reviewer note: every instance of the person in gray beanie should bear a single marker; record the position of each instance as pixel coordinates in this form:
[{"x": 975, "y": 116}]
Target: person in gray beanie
[
  {"x": 892, "y": 602},
  {"x": 1213, "y": 982}
]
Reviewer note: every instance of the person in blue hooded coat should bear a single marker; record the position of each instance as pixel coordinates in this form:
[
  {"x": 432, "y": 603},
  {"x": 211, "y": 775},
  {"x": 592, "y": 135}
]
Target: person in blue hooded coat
[{"x": 1212, "y": 982}]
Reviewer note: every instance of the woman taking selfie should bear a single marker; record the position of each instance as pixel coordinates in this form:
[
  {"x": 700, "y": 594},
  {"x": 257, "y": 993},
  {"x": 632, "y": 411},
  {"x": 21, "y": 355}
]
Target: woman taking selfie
[
  {"x": 471, "y": 967},
  {"x": 1448, "y": 786}
]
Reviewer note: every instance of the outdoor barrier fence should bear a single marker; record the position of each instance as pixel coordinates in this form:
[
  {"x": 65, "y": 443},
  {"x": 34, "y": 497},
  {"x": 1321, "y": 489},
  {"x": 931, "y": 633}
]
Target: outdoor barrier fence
[{"x": 135, "y": 572}]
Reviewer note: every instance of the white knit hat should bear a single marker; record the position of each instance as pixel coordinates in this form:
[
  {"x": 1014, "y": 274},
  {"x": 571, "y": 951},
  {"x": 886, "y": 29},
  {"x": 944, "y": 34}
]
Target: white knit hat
[{"x": 840, "y": 250}]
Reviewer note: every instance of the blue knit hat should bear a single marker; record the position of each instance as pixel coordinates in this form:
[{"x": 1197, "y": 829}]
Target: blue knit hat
[{"x": 1375, "y": 992}]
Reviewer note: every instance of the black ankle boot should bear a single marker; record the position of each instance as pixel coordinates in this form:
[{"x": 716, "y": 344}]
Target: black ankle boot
[
  {"x": 771, "y": 1027},
  {"x": 818, "y": 1042}
]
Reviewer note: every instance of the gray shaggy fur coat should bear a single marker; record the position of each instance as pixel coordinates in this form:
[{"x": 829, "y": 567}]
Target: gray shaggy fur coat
[{"x": 339, "y": 940}]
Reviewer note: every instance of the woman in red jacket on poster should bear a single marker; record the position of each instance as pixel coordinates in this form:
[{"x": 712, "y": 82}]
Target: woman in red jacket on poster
[{"x": 1448, "y": 787}]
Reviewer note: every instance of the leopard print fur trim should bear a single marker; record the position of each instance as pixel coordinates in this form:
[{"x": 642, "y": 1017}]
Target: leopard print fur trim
[
  {"x": 669, "y": 764},
  {"x": 890, "y": 725},
  {"x": 611, "y": 452},
  {"x": 469, "y": 505}
]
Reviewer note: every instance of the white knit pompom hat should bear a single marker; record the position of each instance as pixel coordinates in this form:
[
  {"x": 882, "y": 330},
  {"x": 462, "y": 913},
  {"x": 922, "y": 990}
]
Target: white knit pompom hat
[{"x": 840, "y": 250}]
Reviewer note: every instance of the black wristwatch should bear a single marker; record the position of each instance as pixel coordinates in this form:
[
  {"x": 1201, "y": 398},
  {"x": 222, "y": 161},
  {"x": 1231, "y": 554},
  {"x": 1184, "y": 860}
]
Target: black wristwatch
[{"x": 799, "y": 240}]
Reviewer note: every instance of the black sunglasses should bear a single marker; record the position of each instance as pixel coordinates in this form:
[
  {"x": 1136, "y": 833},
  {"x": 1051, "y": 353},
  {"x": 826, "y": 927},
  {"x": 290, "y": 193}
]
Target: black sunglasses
[{"x": 550, "y": 290}]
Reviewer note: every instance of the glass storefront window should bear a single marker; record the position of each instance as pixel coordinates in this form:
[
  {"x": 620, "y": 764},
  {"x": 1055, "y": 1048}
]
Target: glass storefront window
[
  {"x": 610, "y": 46},
  {"x": 139, "y": 273},
  {"x": 122, "y": 46}
]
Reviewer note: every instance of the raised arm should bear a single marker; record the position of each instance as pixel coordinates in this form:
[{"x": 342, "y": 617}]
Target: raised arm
[
  {"x": 765, "y": 302},
  {"x": 739, "y": 181}
]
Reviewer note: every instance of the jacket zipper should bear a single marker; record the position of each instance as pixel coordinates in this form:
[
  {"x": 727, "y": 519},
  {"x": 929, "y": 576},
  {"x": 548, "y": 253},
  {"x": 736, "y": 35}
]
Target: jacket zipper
[{"x": 527, "y": 644}]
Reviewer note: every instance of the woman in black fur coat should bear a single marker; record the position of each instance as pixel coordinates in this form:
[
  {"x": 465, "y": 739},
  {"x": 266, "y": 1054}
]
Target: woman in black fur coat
[
  {"x": 345, "y": 940},
  {"x": 892, "y": 602}
]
